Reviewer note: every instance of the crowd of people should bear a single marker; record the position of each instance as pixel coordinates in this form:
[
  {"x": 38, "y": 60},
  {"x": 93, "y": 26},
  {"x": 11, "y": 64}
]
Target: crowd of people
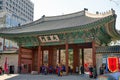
[
  {"x": 93, "y": 71},
  {"x": 59, "y": 69},
  {"x": 103, "y": 69}
]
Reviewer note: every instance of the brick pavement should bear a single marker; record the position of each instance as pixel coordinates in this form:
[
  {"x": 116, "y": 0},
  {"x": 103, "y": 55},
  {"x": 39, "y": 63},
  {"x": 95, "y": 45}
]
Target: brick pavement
[{"x": 42, "y": 77}]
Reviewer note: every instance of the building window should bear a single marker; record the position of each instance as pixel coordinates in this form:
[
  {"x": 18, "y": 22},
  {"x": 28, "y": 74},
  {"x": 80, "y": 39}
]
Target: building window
[
  {"x": 6, "y": 3},
  {"x": 1, "y": 2},
  {"x": 11, "y": 1},
  {"x": 6, "y": 8},
  {"x": 0, "y": 7}
]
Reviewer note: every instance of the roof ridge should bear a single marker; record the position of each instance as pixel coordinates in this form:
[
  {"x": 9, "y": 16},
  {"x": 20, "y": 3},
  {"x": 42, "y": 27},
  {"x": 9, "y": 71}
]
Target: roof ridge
[
  {"x": 100, "y": 15},
  {"x": 80, "y": 13}
]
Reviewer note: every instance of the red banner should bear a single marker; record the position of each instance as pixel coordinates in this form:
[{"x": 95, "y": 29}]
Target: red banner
[
  {"x": 112, "y": 64},
  {"x": 5, "y": 65},
  {"x": 119, "y": 64}
]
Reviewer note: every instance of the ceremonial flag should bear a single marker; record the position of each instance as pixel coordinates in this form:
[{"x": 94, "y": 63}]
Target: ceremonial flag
[
  {"x": 6, "y": 66},
  {"x": 112, "y": 64},
  {"x": 119, "y": 63}
]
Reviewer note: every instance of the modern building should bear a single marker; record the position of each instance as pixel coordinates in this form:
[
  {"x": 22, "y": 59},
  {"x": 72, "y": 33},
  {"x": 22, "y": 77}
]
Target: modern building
[
  {"x": 77, "y": 34},
  {"x": 20, "y": 11},
  {"x": 14, "y": 13}
]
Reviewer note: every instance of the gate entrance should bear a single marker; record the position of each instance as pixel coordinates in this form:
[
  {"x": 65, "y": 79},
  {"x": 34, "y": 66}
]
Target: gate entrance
[{"x": 72, "y": 56}]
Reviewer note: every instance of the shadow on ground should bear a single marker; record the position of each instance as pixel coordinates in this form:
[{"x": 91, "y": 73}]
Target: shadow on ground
[{"x": 48, "y": 77}]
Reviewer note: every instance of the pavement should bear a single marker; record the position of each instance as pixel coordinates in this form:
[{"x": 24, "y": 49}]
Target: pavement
[{"x": 43, "y": 77}]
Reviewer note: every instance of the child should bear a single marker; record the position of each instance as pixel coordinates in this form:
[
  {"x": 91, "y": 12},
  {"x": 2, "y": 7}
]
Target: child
[{"x": 61, "y": 73}]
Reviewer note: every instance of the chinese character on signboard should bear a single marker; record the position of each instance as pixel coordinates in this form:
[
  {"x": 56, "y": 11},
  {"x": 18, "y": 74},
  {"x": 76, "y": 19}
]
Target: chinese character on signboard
[{"x": 50, "y": 38}]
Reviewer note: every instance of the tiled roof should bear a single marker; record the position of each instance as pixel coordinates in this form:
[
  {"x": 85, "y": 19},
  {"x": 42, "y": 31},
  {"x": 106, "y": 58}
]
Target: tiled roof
[
  {"x": 58, "y": 22},
  {"x": 108, "y": 49}
]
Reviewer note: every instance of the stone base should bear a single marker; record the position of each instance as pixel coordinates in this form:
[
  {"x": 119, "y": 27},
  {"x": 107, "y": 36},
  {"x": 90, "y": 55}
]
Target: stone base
[
  {"x": 34, "y": 72},
  {"x": 64, "y": 73}
]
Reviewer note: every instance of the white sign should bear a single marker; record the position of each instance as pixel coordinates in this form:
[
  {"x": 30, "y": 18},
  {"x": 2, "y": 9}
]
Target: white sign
[
  {"x": 104, "y": 60},
  {"x": 51, "y": 38}
]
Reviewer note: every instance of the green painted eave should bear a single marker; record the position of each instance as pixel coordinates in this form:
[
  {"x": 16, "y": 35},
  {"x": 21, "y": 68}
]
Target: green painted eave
[
  {"x": 76, "y": 34},
  {"x": 62, "y": 30}
]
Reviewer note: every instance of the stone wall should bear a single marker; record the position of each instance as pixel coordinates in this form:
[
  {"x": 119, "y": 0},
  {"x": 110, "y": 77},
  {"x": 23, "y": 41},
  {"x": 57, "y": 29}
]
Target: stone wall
[{"x": 99, "y": 61}]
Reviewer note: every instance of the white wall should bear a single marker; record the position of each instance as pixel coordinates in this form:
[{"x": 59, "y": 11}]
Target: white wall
[{"x": 11, "y": 58}]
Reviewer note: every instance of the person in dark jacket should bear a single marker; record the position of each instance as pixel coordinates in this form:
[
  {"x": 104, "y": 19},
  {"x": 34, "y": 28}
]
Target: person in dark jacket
[
  {"x": 82, "y": 69},
  {"x": 90, "y": 71},
  {"x": 94, "y": 72},
  {"x": 101, "y": 70}
]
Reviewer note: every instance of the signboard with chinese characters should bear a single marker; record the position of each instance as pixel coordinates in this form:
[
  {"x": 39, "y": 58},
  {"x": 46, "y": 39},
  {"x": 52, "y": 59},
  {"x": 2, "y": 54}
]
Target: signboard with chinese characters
[{"x": 49, "y": 38}]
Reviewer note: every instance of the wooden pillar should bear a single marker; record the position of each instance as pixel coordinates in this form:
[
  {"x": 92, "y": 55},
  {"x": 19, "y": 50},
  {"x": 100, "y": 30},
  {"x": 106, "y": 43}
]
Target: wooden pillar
[
  {"x": 59, "y": 54},
  {"x": 39, "y": 58},
  {"x": 33, "y": 56},
  {"x": 76, "y": 58},
  {"x": 82, "y": 57},
  {"x": 67, "y": 57},
  {"x": 54, "y": 58},
  {"x": 93, "y": 53},
  {"x": 42, "y": 53},
  {"x": 50, "y": 56},
  {"x": 19, "y": 60},
  {"x": 19, "y": 57},
  {"x": 4, "y": 46}
]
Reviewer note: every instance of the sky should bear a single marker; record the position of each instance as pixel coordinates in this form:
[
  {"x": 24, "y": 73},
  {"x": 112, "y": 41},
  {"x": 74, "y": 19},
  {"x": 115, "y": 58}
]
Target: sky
[{"x": 60, "y": 7}]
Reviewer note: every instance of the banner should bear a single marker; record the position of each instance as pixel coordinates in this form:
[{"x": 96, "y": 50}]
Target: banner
[
  {"x": 119, "y": 63},
  {"x": 6, "y": 66},
  {"x": 112, "y": 64}
]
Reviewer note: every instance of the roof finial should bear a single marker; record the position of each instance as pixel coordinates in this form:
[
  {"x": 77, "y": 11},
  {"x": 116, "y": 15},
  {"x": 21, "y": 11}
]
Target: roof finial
[
  {"x": 85, "y": 9},
  {"x": 19, "y": 25},
  {"x": 113, "y": 11},
  {"x": 43, "y": 16},
  {"x": 97, "y": 12}
]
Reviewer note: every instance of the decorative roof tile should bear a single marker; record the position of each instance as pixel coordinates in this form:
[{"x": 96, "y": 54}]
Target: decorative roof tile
[{"x": 108, "y": 49}]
